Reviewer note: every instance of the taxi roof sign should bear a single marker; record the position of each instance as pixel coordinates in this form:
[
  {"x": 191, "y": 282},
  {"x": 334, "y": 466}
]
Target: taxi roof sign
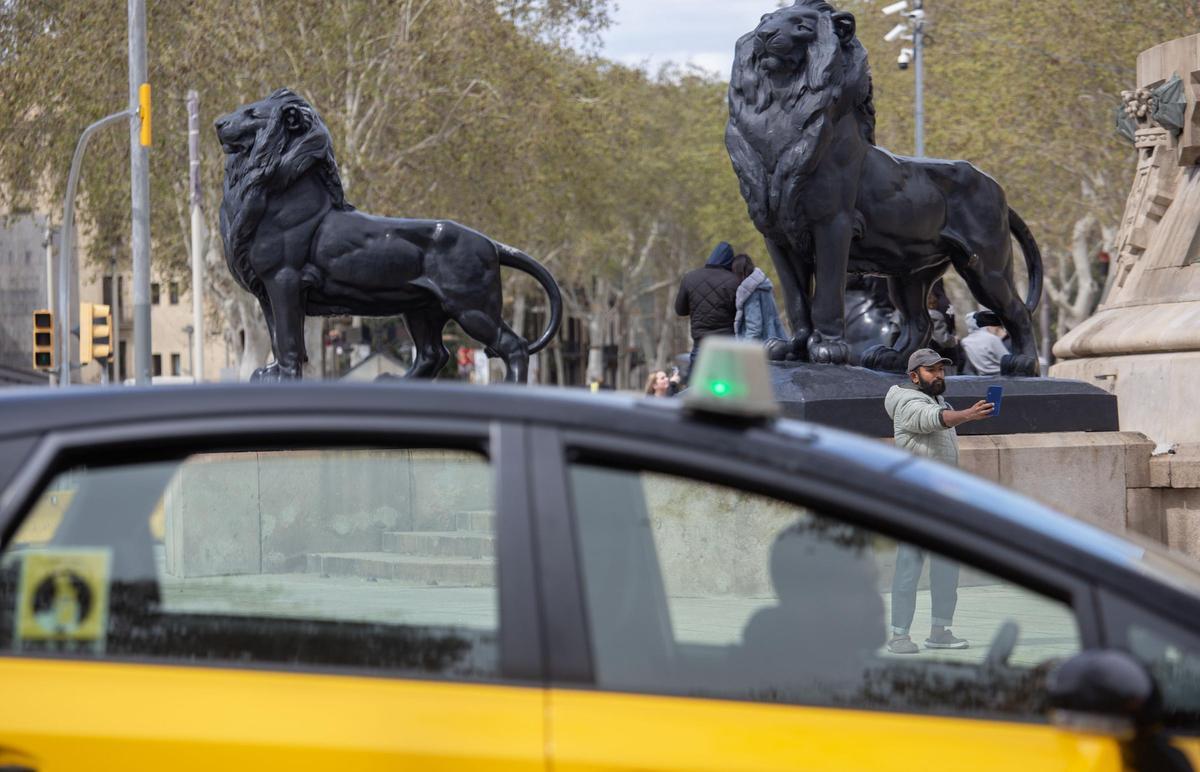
[{"x": 731, "y": 377}]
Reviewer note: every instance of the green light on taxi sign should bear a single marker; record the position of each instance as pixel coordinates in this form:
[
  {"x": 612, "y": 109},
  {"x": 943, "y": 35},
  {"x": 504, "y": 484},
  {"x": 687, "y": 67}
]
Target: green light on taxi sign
[{"x": 731, "y": 378}]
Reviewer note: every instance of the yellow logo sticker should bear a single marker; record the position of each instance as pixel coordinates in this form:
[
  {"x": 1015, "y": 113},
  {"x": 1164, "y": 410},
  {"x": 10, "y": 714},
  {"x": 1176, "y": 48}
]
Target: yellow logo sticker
[{"x": 63, "y": 598}]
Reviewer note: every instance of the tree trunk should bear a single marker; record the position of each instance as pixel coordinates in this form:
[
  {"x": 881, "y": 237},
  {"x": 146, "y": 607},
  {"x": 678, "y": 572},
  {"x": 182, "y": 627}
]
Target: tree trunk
[
  {"x": 595, "y": 359},
  {"x": 1077, "y": 290},
  {"x": 256, "y": 350},
  {"x": 618, "y": 337},
  {"x": 520, "y": 304},
  {"x": 559, "y": 377},
  {"x": 314, "y": 347},
  {"x": 663, "y": 356}
]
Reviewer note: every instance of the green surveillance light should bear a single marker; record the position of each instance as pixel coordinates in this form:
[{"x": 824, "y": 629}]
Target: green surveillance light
[{"x": 731, "y": 378}]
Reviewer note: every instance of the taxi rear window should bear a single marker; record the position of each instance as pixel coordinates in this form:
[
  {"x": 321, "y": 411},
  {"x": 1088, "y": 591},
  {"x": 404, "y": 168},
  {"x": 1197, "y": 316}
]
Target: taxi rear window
[{"x": 380, "y": 559}]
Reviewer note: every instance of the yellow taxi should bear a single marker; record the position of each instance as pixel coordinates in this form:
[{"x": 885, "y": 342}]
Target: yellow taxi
[{"x": 435, "y": 577}]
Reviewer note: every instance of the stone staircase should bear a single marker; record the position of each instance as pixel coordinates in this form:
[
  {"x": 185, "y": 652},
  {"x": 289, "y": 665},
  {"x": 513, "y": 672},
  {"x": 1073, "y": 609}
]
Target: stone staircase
[{"x": 457, "y": 550}]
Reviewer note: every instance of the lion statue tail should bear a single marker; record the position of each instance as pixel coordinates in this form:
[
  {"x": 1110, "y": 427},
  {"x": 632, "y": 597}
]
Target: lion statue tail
[
  {"x": 1033, "y": 257},
  {"x": 515, "y": 258}
]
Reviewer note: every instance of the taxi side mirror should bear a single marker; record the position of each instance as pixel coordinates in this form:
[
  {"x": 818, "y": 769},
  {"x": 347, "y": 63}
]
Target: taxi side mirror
[{"x": 1108, "y": 692}]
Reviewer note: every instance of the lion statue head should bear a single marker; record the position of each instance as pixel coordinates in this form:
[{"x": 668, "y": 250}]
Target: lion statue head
[
  {"x": 801, "y": 60},
  {"x": 269, "y": 145}
]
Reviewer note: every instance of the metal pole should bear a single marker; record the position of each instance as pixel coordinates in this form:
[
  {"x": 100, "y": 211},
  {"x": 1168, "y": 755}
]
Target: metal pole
[
  {"x": 114, "y": 334},
  {"x": 66, "y": 250},
  {"x": 50, "y": 282},
  {"x": 139, "y": 168},
  {"x": 193, "y": 108},
  {"x": 919, "y": 73}
]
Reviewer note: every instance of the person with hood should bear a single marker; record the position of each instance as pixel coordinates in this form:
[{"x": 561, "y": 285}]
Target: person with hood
[
  {"x": 984, "y": 344},
  {"x": 708, "y": 296},
  {"x": 923, "y": 424},
  {"x": 756, "y": 315}
]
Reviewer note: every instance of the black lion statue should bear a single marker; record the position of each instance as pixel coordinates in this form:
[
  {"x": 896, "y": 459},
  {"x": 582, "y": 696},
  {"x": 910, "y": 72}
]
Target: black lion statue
[
  {"x": 293, "y": 241},
  {"x": 801, "y": 135}
]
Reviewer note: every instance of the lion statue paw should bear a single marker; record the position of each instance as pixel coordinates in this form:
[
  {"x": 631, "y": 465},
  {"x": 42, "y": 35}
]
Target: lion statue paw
[
  {"x": 1019, "y": 364},
  {"x": 781, "y": 350},
  {"x": 884, "y": 358},
  {"x": 274, "y": 373},
  {"x": 267, "y": 374},
  {"x": 827, "y": 351}
]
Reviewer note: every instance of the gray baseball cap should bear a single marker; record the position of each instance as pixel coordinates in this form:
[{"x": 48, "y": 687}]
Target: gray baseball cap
[{"x": 925, "y": 357}]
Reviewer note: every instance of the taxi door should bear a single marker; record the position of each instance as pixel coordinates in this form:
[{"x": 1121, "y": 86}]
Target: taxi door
[
  {"x": 327, "y": 601},
  {"x": 708, "y": 626}
]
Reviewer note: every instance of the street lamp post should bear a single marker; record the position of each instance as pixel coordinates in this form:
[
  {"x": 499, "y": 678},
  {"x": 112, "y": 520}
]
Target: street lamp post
[
  {"x": 67, "y": 273},
  {"x": 139, "y": 172}
]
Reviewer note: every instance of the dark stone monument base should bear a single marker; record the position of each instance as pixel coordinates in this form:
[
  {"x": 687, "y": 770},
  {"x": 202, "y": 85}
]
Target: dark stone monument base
[{"x": 851, "y": 398}]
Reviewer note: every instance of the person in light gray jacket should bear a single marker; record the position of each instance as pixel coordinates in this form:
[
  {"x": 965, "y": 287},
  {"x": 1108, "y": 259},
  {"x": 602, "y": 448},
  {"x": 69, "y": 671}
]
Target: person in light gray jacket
[{"x": 923, "y": 423}]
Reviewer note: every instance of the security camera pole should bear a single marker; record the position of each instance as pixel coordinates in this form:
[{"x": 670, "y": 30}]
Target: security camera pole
[
  {"x": 913, "y": 30},
  {"x": 919, "y": 75}
]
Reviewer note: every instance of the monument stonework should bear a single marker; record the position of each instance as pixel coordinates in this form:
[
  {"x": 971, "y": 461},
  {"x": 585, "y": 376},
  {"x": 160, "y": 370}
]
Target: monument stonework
[{"x": 1143, "y": 343}]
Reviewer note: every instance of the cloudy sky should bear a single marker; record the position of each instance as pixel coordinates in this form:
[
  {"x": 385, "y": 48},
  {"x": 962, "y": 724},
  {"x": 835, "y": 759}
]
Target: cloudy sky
[{"x": 700, "y": 32}]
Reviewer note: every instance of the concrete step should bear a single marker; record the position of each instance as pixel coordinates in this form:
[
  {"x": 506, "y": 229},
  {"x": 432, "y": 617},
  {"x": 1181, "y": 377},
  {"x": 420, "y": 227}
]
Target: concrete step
[
  {"x": 440, "y": 544},
  {"x": 475, "y": 521},
  {"x": 440, "y": 571}
]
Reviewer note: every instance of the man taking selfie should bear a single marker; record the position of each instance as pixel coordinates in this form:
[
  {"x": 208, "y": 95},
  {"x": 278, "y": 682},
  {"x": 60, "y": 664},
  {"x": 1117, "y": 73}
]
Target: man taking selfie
[{"x": 923, "y": 423}]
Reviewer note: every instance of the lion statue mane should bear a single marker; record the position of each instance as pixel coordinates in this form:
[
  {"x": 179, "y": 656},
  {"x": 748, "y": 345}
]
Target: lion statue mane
[
  {"x": 293, "y": 241},
  {"x": 251, "y": 173},
  {"x": 828, "y": 201}
]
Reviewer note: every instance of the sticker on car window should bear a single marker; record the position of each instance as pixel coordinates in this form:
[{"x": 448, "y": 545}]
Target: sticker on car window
[{"x": 62, "y": 600}]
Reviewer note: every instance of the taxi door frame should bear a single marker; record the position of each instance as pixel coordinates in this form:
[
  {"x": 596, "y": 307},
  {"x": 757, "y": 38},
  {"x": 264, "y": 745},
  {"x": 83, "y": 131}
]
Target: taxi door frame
[
  {"x": 892, "y": 510},
  {"x": 505, "y": 442}
]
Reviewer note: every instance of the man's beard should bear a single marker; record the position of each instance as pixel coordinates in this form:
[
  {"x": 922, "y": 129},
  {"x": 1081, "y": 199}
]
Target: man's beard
[{"x": 934, "y": 388}]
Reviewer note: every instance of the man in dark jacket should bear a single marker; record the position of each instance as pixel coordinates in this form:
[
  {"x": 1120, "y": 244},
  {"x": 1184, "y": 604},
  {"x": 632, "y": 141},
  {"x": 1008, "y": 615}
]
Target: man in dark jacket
[{"x": 709, "y": 296}]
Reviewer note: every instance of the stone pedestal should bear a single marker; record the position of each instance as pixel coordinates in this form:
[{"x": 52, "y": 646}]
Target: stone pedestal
[
  {"x": 1112, "y": 479},
  {"x": 851, "y": 398}
]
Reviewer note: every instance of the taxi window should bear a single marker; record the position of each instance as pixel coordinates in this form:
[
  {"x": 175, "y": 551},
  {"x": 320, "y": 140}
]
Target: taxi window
[
  {"x": 379, "y": 559},
  {"x": 704, "y": 590}
]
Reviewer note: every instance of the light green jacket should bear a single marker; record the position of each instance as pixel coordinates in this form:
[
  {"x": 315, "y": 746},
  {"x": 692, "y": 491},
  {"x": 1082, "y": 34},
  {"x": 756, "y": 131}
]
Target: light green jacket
[{"x": 917, "y": 424}]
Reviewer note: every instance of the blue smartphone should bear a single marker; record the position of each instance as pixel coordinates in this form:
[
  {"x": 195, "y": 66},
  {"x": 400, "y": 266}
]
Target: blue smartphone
[{"x": 994, "y": 395}]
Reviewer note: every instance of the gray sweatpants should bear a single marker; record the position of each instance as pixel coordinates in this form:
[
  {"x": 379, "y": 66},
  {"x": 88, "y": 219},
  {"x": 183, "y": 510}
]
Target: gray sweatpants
[{"x": 943, "y": 587}]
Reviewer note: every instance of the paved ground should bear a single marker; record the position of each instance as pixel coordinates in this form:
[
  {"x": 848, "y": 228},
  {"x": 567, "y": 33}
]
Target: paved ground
[{"x": 1046, "y": 630}]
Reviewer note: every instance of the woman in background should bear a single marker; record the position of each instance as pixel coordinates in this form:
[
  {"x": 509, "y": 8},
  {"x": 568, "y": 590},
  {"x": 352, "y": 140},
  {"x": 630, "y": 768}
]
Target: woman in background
[
  {"x": 659, "y": 384},
  {"x": 757, "y": 317}
]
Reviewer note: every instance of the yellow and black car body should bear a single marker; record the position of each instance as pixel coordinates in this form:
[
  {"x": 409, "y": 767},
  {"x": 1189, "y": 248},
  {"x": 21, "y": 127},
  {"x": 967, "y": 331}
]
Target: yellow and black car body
[{"x": 224, "y": 689}]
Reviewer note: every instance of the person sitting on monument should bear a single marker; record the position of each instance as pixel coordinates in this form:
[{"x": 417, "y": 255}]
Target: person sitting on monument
[
  {"x": 984, "y": 345},
  {"x": 923, "y": 423},
  {"x": 708, "y": 296},
  {"x": 756, "y": 315}
]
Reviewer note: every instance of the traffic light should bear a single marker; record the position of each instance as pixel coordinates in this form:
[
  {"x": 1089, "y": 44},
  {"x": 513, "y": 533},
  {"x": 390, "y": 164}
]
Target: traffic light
[
  {"x": 95, "y": 332},
  {"x": 43, "y": 340}
]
